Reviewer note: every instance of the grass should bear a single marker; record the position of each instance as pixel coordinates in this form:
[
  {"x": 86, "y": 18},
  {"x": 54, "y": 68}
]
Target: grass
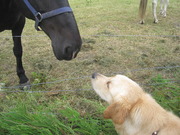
[
  {"x": 80, "y": 112},
  {"x": 168, "y": 95},
  {"x": 37, "y": 119}
]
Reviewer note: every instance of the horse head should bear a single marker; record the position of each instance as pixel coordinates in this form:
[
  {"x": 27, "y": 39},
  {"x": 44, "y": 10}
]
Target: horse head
[{"x": 62, "y": 28}]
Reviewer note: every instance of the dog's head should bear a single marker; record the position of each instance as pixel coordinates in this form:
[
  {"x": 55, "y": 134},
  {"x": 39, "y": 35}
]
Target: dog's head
[
  {"x": 119, "y": 91},
  {"x": 117, "y": 88}
]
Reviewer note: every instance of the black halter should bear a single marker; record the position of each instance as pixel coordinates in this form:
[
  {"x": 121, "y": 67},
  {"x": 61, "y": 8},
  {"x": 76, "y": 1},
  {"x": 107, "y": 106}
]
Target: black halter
[{"x": 39, "y": 17}]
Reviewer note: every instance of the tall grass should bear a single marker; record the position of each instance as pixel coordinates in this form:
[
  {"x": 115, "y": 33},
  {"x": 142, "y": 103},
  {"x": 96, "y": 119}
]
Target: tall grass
[
  {"x": 20, "y": 121},
  {"x": 68, "y": 121},
  {"x": 167, "y": 94}
]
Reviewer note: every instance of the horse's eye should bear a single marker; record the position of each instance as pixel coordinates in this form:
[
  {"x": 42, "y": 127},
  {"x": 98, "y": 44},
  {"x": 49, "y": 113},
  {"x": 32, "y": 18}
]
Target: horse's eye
[{"x": 108, "y": 83}]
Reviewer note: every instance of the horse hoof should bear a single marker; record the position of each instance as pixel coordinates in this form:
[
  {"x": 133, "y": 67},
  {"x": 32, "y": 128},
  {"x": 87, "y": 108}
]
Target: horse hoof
[
  {"x": 164, "y": 15},
  {"x": 161, "y": 12},
  {"x": 142, "y": 22},
  {"x": 156, "y": 21},
  {"x": 25, "y": 86}
]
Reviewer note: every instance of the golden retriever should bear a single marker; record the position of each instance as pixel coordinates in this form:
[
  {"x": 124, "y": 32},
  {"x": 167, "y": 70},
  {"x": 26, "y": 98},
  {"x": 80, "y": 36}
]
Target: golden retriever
[{"x": 133, "y": 111}]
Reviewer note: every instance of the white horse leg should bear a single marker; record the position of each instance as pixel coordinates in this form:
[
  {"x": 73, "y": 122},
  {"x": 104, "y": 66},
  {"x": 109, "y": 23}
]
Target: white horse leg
[
  {"x": 164, "y": 4},
  {"x": 165, "y": 7},
  {"x": 161, "y": 6},
  {"x": 154, "y": 6}
]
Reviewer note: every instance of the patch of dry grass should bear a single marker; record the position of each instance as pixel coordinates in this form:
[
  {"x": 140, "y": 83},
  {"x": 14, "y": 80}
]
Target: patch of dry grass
[{"x": 100, "y": 53}]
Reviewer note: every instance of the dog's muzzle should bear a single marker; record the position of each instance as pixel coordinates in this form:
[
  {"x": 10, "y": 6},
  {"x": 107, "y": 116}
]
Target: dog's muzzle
[{"x": 94, "y": 75}]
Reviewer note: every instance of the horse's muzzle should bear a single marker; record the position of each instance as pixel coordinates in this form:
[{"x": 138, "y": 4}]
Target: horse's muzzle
[{"x": 67, "y": 54}]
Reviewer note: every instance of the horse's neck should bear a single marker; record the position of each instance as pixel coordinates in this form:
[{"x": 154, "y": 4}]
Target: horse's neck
[{"x": 6, "y": 4}]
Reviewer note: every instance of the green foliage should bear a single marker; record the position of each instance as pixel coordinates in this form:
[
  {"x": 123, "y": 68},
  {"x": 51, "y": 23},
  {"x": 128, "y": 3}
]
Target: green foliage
[
  {"x": 20, "y": 121},
  {"x": 66, "y": 122},
  {"x": 39, "y": 78},
  {"x": 166, "y": 94},
  {"x": 86, "y": 125}
]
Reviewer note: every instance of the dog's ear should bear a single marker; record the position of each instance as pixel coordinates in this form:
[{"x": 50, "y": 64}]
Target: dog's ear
[{"x": 117, "y": 112}]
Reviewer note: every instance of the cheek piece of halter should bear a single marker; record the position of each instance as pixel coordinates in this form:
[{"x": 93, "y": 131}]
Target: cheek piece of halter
[{"x": 39, "y": 17}]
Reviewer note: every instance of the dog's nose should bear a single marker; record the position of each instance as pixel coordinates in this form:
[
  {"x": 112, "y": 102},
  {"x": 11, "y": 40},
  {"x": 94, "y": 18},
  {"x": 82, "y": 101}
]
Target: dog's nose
[{"x": 94, "y": 75}]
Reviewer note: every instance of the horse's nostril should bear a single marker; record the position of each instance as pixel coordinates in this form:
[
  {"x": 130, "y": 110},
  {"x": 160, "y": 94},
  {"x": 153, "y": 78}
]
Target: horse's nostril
[
  {"x": 68, "y": 50},
  {"x": 68, "y": 53}
]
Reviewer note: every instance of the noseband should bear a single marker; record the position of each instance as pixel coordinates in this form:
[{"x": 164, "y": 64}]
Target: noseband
[{"x": 39, "y": 17}]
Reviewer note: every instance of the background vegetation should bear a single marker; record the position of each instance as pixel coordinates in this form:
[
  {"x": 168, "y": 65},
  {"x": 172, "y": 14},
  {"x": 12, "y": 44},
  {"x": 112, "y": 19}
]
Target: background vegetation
[{"x": 107, "y": 48}]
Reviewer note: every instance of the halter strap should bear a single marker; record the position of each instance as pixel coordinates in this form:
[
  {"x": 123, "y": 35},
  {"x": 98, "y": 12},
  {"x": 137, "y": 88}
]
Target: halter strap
[{"x": 39, "y": 17}]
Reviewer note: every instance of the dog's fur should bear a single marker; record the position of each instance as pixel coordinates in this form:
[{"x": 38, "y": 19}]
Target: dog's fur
[{"x": 133, "y": 111}]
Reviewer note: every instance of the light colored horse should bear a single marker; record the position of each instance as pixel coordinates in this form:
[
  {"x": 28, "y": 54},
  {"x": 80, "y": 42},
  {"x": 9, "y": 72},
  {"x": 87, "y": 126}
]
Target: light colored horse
[{"x": 143, "y": 5}]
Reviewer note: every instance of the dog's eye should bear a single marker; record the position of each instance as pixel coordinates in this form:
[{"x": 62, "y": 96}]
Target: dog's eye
[{"x": 108, "y": 83}]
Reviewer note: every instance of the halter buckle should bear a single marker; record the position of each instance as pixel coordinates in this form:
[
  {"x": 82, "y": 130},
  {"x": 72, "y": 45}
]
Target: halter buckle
[{"x": 38, "y": 19}]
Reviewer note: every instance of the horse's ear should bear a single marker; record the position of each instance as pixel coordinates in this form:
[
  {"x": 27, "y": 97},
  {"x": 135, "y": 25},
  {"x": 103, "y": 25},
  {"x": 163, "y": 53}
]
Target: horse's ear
[{"x": 117, "y": 112}]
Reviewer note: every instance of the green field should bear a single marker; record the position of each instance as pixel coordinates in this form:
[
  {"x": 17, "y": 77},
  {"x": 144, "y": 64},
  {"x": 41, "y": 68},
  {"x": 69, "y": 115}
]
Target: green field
[{"x": 113, "y": 42}]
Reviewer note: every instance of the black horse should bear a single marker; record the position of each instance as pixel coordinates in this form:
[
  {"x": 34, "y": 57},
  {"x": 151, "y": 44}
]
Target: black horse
[{"x": 54, "y": 17}]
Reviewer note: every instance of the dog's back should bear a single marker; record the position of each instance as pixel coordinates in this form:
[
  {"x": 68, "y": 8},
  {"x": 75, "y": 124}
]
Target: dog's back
[
  {"x": 172, "y": 126},
  {"x": 154, "y": 119}
]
